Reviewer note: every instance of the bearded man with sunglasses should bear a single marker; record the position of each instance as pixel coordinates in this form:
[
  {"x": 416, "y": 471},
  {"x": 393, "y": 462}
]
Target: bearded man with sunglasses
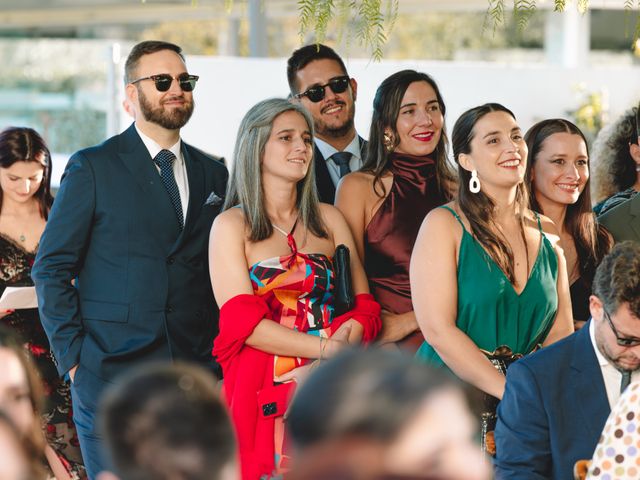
[
  {"x": 318, "y": 79},
  {"x": 122, "y": 273},
  {"x": 556, "y": 401}
]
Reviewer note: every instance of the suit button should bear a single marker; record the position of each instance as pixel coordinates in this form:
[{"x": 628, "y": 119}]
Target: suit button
[
  {"x": 168, "y": 309},
  {"x": 170, "y": 260}
]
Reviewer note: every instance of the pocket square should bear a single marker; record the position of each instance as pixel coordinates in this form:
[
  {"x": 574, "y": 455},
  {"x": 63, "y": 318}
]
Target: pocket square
[{"x": 213, "y": 199}]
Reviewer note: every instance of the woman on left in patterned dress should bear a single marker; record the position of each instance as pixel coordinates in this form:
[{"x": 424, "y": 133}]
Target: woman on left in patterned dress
[
  {"x": 271, "y": 270},
  {"x": 25, "y": 200}
]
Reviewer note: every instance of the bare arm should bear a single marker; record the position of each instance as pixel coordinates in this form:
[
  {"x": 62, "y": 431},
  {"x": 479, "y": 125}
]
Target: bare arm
[
  {"x": 351, "y": 197},
  {"x": 230, "y": 277},
  {"x": 435, "y": 292}
]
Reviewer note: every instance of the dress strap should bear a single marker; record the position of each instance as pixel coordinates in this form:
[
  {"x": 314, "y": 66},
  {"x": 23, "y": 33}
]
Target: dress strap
[
  {"x": 290, "y": 240},
  {"x": 539, "y": 222},
  {"x": 453, "y": 212}
]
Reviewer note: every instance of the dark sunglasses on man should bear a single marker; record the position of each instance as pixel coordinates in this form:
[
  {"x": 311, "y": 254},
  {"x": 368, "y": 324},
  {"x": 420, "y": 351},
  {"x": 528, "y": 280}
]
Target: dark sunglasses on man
[
  {"x": 316, "y": 93},
  {"x": 163, "y": 81}
]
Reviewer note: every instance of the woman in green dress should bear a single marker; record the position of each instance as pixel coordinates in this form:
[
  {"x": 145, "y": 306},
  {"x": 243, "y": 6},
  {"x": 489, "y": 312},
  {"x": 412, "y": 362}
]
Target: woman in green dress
[{"x": 488, "y": 278}]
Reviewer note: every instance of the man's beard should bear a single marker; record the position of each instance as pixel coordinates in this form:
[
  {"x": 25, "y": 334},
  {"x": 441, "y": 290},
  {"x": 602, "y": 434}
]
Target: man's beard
[
  {"x": 173, "y": 119},
  {"x": 325, "y": 130}
]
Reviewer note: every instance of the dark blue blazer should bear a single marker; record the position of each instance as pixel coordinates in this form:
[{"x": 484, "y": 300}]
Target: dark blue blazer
[
  {"x": 553, "y": 411},
  {"x": 142, "y": 290},
  {"x": 324, "y": 184}
]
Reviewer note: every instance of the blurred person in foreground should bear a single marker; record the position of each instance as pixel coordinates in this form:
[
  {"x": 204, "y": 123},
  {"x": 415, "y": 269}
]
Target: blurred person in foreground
[
  {"x": 21, "y": 397},
  {"x": 130, "y": 224},
  {"x": 166, "y": 422},
  {"x": 557, "y": 400},
  {"x": 18, "y": 460},
  {"x": 382, "y": 414}
]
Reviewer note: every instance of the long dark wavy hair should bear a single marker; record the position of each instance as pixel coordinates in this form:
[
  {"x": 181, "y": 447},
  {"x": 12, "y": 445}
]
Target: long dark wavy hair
[
  {"x": 22, "y": 144},
  {"x": 591, "y": 240},
  {"x": 386, "y": 108},
  {"x": 479, "y": 207}
]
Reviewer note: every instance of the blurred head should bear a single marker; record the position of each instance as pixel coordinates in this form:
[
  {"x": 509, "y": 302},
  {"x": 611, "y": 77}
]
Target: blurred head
[
  {"x": 615, "y": 306},
  {"x": 616, "y": 155},
  {"x": 389, "y": 414},
  {"x": 149, "y": 99},
  {"x": 166, "y": 421},
  {"x": 318, "y": 79},
  {"x": 558, "y": 165},
  {"x": 25, "y": 168},
  {"x": 20, "y": 386},
  {"x": 275, "y": 136},
  {"x": 18, "y": 460}
]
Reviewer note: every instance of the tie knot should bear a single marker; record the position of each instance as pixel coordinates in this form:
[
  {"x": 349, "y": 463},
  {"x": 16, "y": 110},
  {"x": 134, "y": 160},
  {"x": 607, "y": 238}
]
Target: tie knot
[
  {"x": 164, "y": 158},
  {"x": 341, "y": 158}
]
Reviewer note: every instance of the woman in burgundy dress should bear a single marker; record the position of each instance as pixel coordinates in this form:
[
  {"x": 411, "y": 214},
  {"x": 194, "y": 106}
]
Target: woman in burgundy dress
[
  {"x": 25, "y": 178},
  {"x": 405, "y": 175}
]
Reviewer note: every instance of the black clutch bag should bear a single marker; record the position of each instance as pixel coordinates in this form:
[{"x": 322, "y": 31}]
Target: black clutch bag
[
  {"x": 343, "y": 298},
  {"x": 501, "y": 358}
]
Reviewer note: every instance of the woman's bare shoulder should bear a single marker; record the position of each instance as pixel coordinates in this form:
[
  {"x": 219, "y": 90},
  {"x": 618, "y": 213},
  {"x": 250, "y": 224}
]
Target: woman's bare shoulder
[{"x": 230, "y": 222}]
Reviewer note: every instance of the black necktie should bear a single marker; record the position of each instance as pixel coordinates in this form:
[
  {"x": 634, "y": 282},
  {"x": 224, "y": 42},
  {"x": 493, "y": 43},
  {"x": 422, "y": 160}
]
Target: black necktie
[
  {"x": 164, "y": 160},
  {"x": 626, "y": 380},
  {"x": 342, "y": 159}
]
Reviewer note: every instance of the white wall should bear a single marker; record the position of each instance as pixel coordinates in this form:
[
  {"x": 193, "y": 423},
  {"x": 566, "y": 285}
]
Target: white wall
[{"x": 228, "y": 87}]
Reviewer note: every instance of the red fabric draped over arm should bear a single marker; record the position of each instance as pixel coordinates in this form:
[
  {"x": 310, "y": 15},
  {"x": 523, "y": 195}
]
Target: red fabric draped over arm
[{"x": 366, "y": 312}]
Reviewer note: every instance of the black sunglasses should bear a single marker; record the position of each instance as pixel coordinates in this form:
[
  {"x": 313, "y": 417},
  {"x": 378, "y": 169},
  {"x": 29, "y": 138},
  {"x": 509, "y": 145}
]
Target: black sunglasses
[
  {"x": 163, "y": 81},
  {"x": 315, "y": 94},
  {"x": 621, "y": 341}
]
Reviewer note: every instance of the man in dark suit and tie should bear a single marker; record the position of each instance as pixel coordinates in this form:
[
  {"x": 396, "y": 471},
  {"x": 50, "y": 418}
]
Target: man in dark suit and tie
[
  {"x": 319, "y": 80},
  {"x": 557, "y": 400},
  {"x": 122, "y": 273}
]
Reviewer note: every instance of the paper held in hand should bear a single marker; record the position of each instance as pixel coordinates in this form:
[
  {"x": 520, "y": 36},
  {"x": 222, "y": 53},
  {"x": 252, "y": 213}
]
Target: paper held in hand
[{"x": 14, "y": 298}]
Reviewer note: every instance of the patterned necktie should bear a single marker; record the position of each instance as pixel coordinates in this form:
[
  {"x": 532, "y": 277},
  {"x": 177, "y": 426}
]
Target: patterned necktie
[
  {"x": 342, "y": 159},
  {"x": 164, "y": 160},
  {"x": 626, "y": 380}
]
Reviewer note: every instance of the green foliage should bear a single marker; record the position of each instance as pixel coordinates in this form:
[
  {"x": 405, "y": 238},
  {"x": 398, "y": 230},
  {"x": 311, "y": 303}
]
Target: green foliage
[
  {"x": 559, "y": 5},
  {"x": 522, "y": 11},
  {"x": 589, "y": 116},
  {"x": 371, "y": 21},
  {"x": 628, "y": 9}
]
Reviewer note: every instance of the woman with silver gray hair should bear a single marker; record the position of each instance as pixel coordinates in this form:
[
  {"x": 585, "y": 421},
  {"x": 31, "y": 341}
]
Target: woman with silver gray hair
[{"x": 270, "y": 257}]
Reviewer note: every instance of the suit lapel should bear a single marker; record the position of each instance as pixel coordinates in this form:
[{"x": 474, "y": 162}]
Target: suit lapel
[
  {"x": 138, "y": 162},
  {"x": 588, "y": 384},
  {"x": 326, "y": 188}
]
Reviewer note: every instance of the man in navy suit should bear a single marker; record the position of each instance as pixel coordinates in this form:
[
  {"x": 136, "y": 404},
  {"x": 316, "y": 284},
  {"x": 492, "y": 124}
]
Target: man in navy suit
[
  {"x": 122, "y": 273},
  {"x": 318, "y": 79},
  {"x": 557, "y": 400}
]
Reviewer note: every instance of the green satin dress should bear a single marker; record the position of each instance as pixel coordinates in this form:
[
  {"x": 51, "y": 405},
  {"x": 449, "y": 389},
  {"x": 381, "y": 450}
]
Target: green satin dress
[{"x": 490, "y": 311}]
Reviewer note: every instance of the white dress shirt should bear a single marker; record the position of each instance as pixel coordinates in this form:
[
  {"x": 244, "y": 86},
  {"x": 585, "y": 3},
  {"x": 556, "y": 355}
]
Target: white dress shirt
[
  {"x": 334, "y": 169},
  {"x": 179, "y": 167},
  {"x": 611, "y": 375}
]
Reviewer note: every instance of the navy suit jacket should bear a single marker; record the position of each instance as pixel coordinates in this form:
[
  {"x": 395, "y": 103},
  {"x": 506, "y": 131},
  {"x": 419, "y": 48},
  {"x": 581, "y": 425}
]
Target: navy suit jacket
[
  {"x": 324, "y": 184},
  {"x": 553, "y": 411},
  {"x": 142, "y": 289}
]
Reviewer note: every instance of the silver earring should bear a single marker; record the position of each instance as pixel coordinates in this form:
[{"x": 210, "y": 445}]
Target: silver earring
[{"x": 474, "y": 182}]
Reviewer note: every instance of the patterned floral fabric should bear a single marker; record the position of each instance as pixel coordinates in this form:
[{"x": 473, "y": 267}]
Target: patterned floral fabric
[
  {"x": 297, "y": 287},
  {"x": 15, "y": 270},
  {"x": 617, "y": 455}
]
